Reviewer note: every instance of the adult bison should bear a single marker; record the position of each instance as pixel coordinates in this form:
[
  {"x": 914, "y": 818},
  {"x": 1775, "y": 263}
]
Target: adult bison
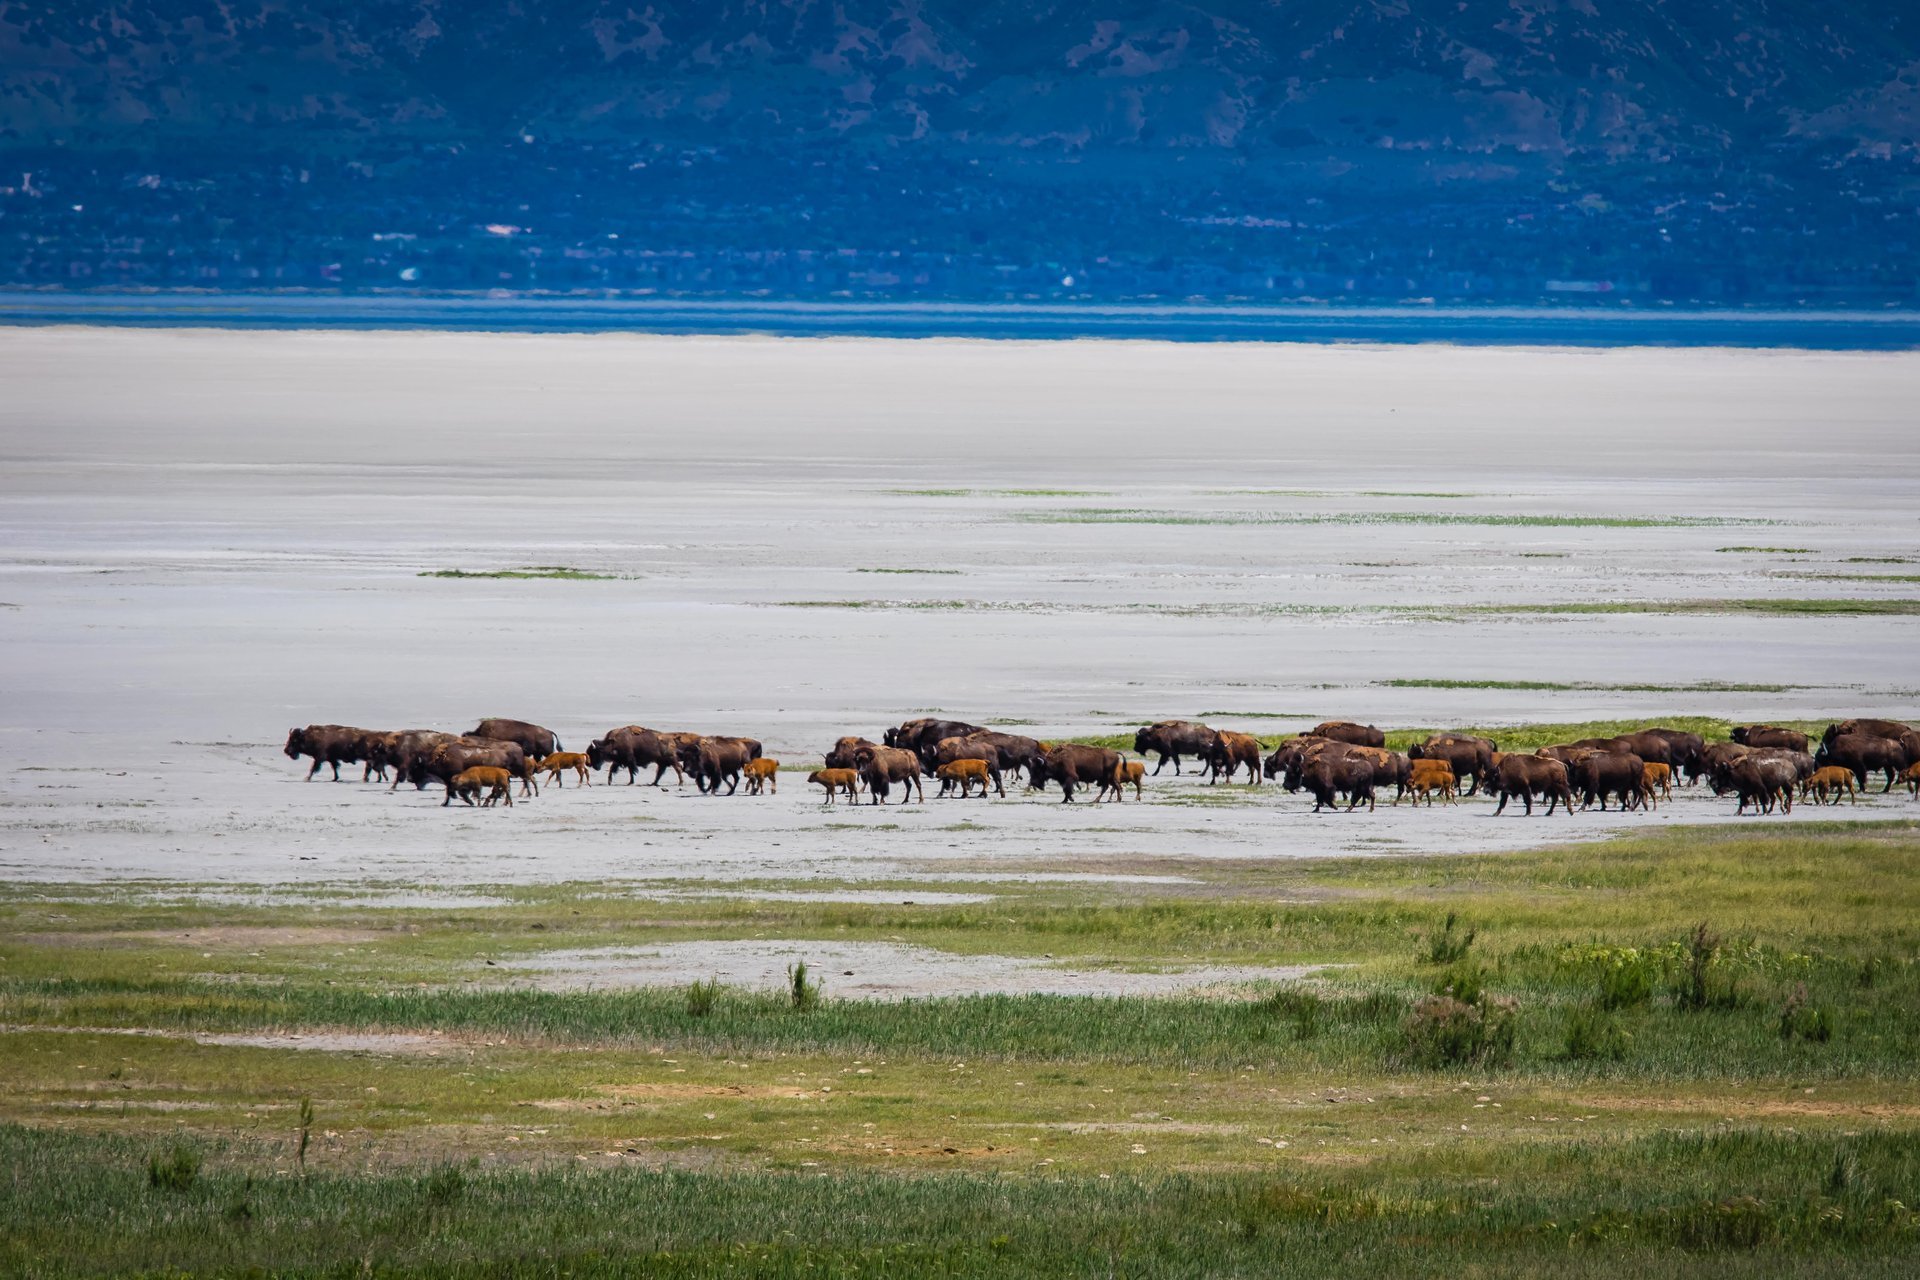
[
  {"x": 1610, "y": 773},
  {"x": 447, "y": 760},
  {"x": 1286, "y": 758},
  {"x": 1528, "y": 776},
  {"x": 842, "y": 754},
  {"x": 922, "y": 736},
  {"x": 1764, "y": 778},
  {"x": 1360, "y": 735},
  {"x": 536, "y": 741},
  {"x": 1470, "y": 758},
  {"x": 1071, "y": 764},
  {"x": 948, "y": 750},
  {"x": 1715, "y": 764},
  {"x": 1333, "y": 774},
  {"x": 1766, "y": 735},
  {"x": 881, "y": 767},
  {"x": 1171, "y": 739},
  {"x": 1894, "y": 729},
  {"x": 1016, "y": 751},
  {"x": 713, "y": 759},
  {"x": 1683, "y": 747},
  {"x": 405, "y": 752},
  {"x": 1228, "y": 752},
  {"x": 328, "y": 744},
  {"x": 1861, "y": 754},
  {"x": 634, "y": 747}
]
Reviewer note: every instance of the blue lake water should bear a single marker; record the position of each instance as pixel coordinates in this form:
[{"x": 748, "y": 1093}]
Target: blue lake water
[{"x": 1497, "y": 326}]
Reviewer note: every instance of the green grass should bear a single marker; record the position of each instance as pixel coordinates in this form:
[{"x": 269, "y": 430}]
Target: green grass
[
  {"x": 1784, "y": 551},
  {"x": 544, "y": 571},
  {"x": 1128, "y": 515},
  {"x": 998, "y": 493},
  {"x": 1582, "y": 686},
  {"x": 950, "y": 572},
  {"x": 1844, "y": 607},
  {"x": 1738, "y": 1202}
]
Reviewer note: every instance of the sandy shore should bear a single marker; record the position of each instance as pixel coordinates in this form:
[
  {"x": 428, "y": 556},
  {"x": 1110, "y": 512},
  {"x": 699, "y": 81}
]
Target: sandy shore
[{"x": 210, "y": 537}]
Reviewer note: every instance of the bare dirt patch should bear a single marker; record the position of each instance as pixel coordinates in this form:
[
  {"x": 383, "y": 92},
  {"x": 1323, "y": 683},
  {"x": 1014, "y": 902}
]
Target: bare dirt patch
[{"x": 219, "y": 937}]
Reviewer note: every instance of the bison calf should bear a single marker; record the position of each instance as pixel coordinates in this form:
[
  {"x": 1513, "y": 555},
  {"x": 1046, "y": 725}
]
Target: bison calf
[
  {"x": 497, "y": 782},
  {"x": 965, "y": 773},
  {"x": 835, "y": 780},
  {"x": 1831, "y": 780},
  {"x": 1428, "y": 776},
  {"x": 761, "y": 776},
  {"x": 560, "y": 761}
]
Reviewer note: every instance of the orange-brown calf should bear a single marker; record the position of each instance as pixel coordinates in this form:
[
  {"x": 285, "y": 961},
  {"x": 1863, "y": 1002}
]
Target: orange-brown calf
[
  {"x": 1657, "y": 778},
  {"x": 1428, "y": 776},
  {"x": 468, "y": 783},
  {"x": 760, "y": 776},
  {"x": 1832, "y": 780},
  {"x": 561, "y": 761},
  {"x": 835, "y": 780},
  {"x": 966, "y": 773},
  {"x": 1131, "y": 771}
]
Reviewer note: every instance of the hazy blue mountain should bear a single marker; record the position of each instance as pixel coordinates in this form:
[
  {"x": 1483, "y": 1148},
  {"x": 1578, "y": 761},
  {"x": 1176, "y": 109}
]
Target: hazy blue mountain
[{"x": 1712, "y": 150}]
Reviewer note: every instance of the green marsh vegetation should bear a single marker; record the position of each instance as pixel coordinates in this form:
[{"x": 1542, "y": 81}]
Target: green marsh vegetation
[
  {"x": 1687, "y": 1052},
  {"x": 554, "y": 572}
]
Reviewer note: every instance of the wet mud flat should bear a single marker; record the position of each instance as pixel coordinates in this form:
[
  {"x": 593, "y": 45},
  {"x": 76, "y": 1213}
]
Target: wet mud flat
[{"x": 235, "y": 533}]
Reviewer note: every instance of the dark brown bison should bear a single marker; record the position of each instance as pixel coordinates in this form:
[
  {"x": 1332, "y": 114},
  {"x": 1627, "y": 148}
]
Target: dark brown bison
[
  {"x": 1228, "y": 752},
  {"x": 634, "y": 747},
  {"x": 1390, "y": 768},
  {"x": 1071, "y": 764},
  {"x": 328, "y": 744},
  {"x": 713, "y": 759},
  {"x": 1528, "y": 776},
  {"x": 1470, "y": 758},
  {"x": 1715, "y": 764},
  {"x": 407, "y": 751},
  {"x": 1290, "y": 758},
  {"x": 1017, "y": 753},
  {"x": 1171, "y": 739},
  {"x": 1764, "y": 779},
  {"x": 922, "y": 736},
  {"x": 1766, "y": 735},
  {"x": 1860, "y": 754},
  {"x": 949, "y": 750},
  {"x": 1333, "y": 774},
  {"x": 448, "y": 759},
  {"x": 842, "y": 754},
  {"x": 1652, "y": 748},
  {"x": 881, "y": 767},
  {"x": 537, "y": 742},
  {"x": 1610, "y": 773},
  {"x": 1683, "y": 747},
  {"x": 1894, "y": 729},
  {"x": 1360, "y": 735}
]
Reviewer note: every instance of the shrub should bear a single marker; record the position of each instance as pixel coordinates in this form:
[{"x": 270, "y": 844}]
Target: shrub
[
  {"x": 1698, "y": 989},
  {"x": 702, "y": 996},
  {"x": 1627, "y": 979},
  {"x": 1446, "y": 946},
  {"x": 1305, "y": 1010},
  {"x": 1594, "y": 1037},
  {"x": 176, "y": 1171},
  {"x": 802, "y": 991},
  {"x": 1463, "y": 982},
  {"x": 1443, "y": 1031},
  {"x": 443, "y": 1186},
  {"x": 1807, "y": 1021}
]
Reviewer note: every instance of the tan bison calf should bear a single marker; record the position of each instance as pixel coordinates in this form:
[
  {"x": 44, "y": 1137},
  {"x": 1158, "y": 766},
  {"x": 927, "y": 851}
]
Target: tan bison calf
[
  {"x": 835, "y": 780},
  {"x": 1832, "y": 780},
  {"x": 761, "y": 776},
  {"x": 1658, "y": 779},
  {"x": 561, "y": 761},
  {"x": 497, "y": 782},
  {"x": 1424, "y": 777},
  {"x": 964, "y": 772},
  {"x": 1131, "y": 774}
]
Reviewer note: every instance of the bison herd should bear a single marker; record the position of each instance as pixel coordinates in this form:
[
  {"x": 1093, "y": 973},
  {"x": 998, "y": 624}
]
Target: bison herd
[{"x": 1336, "y": 763}]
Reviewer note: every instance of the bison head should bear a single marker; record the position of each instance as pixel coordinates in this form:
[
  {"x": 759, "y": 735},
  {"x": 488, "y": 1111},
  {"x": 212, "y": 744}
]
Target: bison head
[
  {"x": 296, "y": 743},
  {"x": 1143, "y": 741}
]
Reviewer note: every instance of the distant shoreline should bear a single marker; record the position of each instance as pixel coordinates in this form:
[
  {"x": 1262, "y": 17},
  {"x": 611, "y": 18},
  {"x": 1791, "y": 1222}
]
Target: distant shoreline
[{"x": 1177, "y": 322}]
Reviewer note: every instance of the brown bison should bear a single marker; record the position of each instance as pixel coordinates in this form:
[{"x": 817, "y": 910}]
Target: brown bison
[
  {"x": 1425, "y": 777},
  {"x": 1334, "y": 774},
  {"x": 1528, "y": 776},
  {"x": 1610, "y": 773},
  {"x": 1715, "y": 764},
  {"x": 468, "y": 783},
  {"x": 1860, "y": 755},
  {"x": 533, "y": 739},
  {"x": 634, "y": 747},
  {"x": 1071, "y": 764},
  {"x": 1016, "y": 752},
  {"x": 963, "y": 773},
  {"x": 448, "y": 759},
  {"x": 1470, "y": 758},
  {"x": 716, "y": 759},
  {"x": 407, "y": 751},
  {"x": 762, "y": 776},
  {"x": 835, "y": 780},
  {"x": 1912, "y": 778},
  {"x": 328, "y": 744},
  {"x": 1683, "y": 748},
  {"x": 1228, "y": 752},
  {"x": 1894, "y": 729},
  {"x": 881, "y": 767},
  {"x": 951, "y": 750},
  {"x": 1171, "y": 739},
  {"x": 1766, "y": 735},
  {"x": 1132, "y": 772},
  {"x": 922, "y": 736},
  {"x": 1831, "y": 780},
  {"x": 843, "y": 752},
  {"x": 1659, "y": 780},
  {"x": 560, "y": 762},
  {"x": 1763, "y": 779},
  {"x": 1360, "y": 735}
]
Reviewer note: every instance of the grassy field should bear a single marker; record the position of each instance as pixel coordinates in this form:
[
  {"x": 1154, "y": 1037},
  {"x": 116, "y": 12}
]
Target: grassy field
[{"x": 1691, "y": 1053}]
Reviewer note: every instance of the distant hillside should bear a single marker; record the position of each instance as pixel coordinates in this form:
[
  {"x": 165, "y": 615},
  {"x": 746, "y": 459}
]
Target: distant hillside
[{"x": 1213, "y": 148}]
